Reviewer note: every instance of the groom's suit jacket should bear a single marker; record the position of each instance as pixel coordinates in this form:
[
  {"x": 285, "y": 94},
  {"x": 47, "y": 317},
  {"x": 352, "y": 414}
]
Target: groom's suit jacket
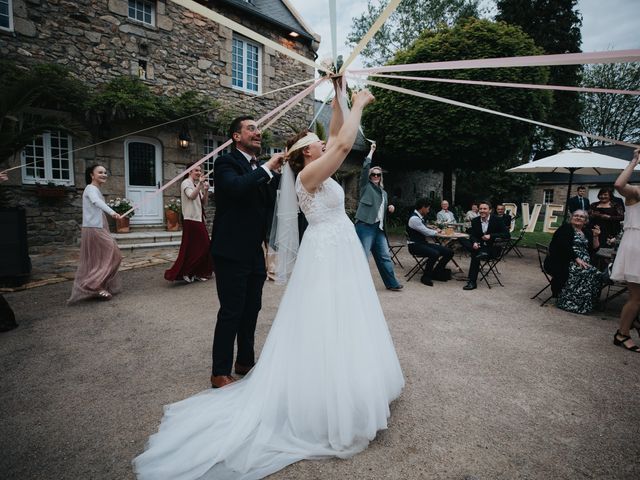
[{"x": 245, "y": 200}]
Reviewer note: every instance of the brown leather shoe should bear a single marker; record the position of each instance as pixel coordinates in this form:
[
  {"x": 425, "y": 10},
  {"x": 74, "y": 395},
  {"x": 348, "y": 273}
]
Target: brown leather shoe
[
  {"x": 219, "y": 381},
  {"x": 241, "y": 369}
]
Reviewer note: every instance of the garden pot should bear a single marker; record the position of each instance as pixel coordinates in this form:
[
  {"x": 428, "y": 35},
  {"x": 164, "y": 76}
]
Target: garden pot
[
  {"x": 173, "y": 220},
  {"x": 122, "y": 225}
]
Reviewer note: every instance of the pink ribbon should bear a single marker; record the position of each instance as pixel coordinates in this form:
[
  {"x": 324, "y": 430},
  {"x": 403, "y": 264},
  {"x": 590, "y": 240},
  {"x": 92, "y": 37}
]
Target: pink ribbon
[
  {"x": 616, "y": 56},
  {"x": 511, "y": 85},
  {"x": 494, "y": 112},
  {"x": 289, "y": 103}
]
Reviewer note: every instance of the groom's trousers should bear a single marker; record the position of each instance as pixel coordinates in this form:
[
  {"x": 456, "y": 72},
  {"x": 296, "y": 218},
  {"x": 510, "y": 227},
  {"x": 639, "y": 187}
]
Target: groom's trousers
[{"x": 239, "y": 285}]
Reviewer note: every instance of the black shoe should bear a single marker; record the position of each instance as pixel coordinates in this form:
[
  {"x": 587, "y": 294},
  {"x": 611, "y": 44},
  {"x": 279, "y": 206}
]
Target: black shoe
[
  {"x": 426, "y": 281},
  {"x": 482, "y": 256},
  {"x": 442, "y": 276},
  {"x": 396, "y": 289},
  {"x": 470, "y": 286}
]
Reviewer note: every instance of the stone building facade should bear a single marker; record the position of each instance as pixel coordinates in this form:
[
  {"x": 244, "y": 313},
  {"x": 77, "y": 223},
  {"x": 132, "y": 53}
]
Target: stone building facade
[{"x": 173, "y": 50}]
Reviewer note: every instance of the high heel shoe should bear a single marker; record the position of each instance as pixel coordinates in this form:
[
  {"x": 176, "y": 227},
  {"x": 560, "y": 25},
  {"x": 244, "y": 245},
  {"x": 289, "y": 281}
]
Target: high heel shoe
[{"x": 623, "y": 338}]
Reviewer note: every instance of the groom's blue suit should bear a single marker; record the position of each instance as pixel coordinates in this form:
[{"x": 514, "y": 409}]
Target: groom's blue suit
[{"x": 244, "y": 209}]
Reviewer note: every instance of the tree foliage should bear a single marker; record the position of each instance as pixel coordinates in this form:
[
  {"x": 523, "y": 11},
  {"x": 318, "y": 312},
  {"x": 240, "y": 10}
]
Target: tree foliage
[
  {"x": 418, "y": 134},
  {"x": 554, "y": 25},
  {"x": 609, "y": 115},
  {"x": 404, "y": 26},
  {"x": 33, "y": 100}
]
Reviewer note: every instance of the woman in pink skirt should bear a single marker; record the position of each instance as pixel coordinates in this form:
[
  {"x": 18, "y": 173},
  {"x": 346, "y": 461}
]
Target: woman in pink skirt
[
  {"x": 194, "y": 259},
  {"x": 100, "y": 257}
]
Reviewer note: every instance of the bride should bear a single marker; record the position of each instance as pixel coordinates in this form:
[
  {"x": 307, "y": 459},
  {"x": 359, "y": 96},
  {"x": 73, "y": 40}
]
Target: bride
[{"x": 328, "y": 369}]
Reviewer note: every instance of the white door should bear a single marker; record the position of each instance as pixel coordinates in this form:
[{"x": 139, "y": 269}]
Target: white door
[{"x": 143, "y": 176}]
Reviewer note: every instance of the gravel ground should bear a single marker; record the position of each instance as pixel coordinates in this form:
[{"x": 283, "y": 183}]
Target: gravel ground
[{"x": 497, "y": 387}]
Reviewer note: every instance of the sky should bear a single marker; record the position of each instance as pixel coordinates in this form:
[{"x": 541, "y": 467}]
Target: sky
[{"x": 606, "y": 24}]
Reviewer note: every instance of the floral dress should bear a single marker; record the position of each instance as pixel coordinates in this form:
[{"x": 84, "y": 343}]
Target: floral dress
[{"x": 584, "y": 284}]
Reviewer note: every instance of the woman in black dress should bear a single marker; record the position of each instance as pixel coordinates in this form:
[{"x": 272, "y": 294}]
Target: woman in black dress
[{"x": 607, "y": 214}]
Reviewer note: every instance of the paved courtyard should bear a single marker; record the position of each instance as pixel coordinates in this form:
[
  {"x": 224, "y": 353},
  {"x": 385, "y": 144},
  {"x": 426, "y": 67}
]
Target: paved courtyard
[{"x": 496, "y": 386}]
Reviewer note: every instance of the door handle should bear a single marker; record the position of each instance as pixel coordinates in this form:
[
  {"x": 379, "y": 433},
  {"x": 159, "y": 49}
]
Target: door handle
[{"x": 158, "y": 184}]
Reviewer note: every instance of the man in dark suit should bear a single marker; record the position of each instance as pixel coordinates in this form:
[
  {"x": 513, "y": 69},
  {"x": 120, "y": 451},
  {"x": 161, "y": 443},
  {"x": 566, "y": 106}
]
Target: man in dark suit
[
  {"x": 485, "y": 230},
  {"x": 244, "y": 195},
  {"x": 501, "y": 212},
  {"x": 580, "y": 201}
]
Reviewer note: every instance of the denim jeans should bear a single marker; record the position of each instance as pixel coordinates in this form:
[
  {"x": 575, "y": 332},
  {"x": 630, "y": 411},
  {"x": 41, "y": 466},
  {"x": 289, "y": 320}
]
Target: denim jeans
[{"x": 374, "y": 240}]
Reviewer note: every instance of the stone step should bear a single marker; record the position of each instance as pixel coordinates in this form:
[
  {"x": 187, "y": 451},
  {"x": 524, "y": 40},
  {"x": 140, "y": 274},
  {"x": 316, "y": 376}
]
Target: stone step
[
  {"x": 133, "y": 246},
  {"x": 147, "y": 238}
]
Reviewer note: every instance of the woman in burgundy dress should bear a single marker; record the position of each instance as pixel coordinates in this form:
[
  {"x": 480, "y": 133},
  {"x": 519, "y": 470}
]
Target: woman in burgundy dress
[
  {"x": 607, "y": 214},
  {"x": 194, "y": 259}
]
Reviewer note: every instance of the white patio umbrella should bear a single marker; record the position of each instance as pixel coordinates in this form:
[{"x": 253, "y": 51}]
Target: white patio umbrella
[{"x": 574, "y": 161}]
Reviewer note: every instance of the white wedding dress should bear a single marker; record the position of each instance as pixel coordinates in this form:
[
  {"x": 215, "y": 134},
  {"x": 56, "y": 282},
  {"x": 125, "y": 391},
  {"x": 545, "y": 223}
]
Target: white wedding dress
[{"x": 322, "y": 386}]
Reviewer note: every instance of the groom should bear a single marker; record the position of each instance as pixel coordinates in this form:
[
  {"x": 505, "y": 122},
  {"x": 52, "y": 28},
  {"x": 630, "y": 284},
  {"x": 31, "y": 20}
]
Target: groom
[{"x": 245, "y": 195}]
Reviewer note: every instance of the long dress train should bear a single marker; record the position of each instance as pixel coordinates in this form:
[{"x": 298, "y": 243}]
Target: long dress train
[{"x": 322, "y": 386}]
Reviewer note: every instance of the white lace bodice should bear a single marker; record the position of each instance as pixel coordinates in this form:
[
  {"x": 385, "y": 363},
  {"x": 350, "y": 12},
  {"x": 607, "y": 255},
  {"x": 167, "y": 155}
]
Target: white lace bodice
[{"x": 325, "y": 205}]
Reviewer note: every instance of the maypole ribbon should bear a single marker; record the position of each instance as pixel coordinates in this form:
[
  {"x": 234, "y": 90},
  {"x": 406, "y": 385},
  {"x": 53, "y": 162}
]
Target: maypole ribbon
[
  {"x": 615, "y": 56},
  {"x": 495, "y": 112},
  {"x": 534, "y": 86},
  {"x": 393, "y": 4},
  {"x": 113, "y": 139},
  {"x": 150, "y": 195},
  {"x": 247, "y": 32}
]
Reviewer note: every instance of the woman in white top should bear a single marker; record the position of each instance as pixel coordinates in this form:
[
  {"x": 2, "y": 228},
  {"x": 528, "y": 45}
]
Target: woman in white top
[
  {"x": 100, "y": 257},
  {"x": 473, "y": 213},
  {"x": 194, "y": 259}
]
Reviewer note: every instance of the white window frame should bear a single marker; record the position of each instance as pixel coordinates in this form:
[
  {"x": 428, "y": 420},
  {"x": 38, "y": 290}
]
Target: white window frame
[
  {"x": 48, "y": 162},
  {"x": 209, "y": 143},
  {"x": 544, "y": 194},
  {"x": 245, "y": 67},
  {"x": 142, "y": 3},
  {"x": 10, "y": 27}
]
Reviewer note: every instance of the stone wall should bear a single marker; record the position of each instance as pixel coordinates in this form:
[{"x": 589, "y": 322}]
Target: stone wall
[
  {"x": 182, "y": 52},
  {"x": 405, "y": 187}
]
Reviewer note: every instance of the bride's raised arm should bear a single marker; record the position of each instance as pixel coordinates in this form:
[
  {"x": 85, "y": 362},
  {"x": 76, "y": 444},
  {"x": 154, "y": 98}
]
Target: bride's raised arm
[{"x": 338, "y": 146}]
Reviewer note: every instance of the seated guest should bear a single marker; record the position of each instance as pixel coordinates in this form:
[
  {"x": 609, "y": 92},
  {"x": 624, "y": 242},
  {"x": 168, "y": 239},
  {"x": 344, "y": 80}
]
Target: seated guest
[
  {"x": 607, "y": 214},
  {"x": 473, "y": 213},
  {"x": 445, "y": 215},
  {"x": 485, "y": 230},
  {"x": 580, "y": 201},
  {"x": 501, "y": 213},
  {"x": 574, "y": 281},
  {"x": 418, "y": 234}
]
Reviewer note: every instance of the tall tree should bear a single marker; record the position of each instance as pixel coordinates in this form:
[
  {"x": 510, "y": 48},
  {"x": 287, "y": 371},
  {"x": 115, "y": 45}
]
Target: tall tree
[
  {"x": 404, "y": 25},
  {"x": 554, "y": 25},
  {"x": 607, "y": 115},
  {"x": 419, "y": 134}
]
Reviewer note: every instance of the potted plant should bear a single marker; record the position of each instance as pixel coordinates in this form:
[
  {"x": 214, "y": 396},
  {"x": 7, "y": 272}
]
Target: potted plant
[
  {"x": 122, "y": 206},
  {"x": 172, "y": 212}
]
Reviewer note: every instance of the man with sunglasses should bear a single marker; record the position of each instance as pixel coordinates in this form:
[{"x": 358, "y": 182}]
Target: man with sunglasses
[{"x": 371, "y": 220}]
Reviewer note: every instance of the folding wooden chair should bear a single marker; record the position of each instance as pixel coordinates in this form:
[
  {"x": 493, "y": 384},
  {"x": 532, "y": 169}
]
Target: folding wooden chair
[
  {"x": 512, "y": 246},
  {"x": 489, "y": 266},
  {"x": 394, "y": 250},
  {"x": 418, "y": 267},
  {"x": 543, "y": 251}
]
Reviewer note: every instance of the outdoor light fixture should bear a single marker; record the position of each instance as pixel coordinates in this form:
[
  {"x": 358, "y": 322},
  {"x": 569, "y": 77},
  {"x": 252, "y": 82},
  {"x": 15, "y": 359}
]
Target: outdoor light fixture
[
  {"x": 184, "y": 138},
  {"x": 294, "y": 34}
]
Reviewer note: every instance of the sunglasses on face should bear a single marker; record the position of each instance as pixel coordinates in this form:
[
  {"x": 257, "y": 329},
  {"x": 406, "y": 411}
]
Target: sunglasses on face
[{"x": 375, "y": 175}]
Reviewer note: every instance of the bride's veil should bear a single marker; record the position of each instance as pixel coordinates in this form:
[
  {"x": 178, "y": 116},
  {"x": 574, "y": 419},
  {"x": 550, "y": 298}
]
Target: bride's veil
[{"x": 284, "y": 237}]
